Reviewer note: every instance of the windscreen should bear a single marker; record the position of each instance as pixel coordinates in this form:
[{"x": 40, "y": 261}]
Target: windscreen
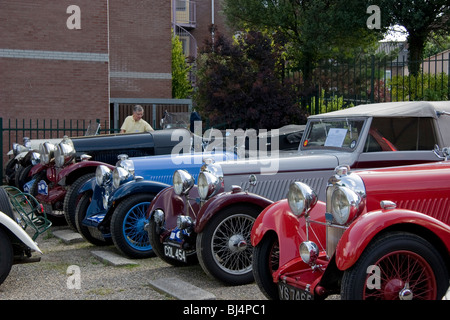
[{"x": 333, "y": 133}]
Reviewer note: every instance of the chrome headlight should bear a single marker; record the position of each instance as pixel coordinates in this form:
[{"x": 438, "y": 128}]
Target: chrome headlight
[
  {"x": 102, "y": 175},
  {"x": 47, "y": 152},
  {"x": 126, "y": 163},
  {"x": 301, "y": 198},
  {"x": 184, "y": 222},
  {"x": 18, "y": 149},
  {"x": 345, "y": 205},
  {"x": 35, "y": 158},
  {"x": 119, "y": 175},
  {"x": 64, "y": 152},
  {"x": 208, "y": 184},
  {"x": 309, "y": 252},
  {"x": 182, "y": 182}
]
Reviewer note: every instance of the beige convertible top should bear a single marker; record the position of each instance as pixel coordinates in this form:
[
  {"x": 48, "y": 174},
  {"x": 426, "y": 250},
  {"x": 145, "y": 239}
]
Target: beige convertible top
[{"x": 392, "y": 109}]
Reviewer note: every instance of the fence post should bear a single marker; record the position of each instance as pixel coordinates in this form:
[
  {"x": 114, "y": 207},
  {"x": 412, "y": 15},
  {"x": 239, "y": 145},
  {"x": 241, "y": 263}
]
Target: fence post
[{"x": 372, "y": 79}]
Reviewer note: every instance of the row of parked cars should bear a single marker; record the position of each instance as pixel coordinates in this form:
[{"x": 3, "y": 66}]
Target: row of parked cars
[{"x": 358, "y": 206}]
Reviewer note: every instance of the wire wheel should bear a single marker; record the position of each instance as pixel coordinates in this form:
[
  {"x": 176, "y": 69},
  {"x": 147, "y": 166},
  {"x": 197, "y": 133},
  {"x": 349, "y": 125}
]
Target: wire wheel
[
  {"x": 133, "y": 227},
  {"x": 231, "y": 244},
  {"x": 403, "y": 275}
]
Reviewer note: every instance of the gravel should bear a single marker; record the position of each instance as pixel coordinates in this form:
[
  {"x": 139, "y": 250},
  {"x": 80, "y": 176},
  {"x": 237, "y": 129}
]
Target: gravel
[{"x": 53, "y": 278}]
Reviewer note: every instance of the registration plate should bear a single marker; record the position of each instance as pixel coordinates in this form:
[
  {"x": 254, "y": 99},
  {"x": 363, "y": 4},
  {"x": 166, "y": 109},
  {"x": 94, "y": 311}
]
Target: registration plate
[
  {"x": 174, "y": 253},
  {"x": 288, "y": 292}
]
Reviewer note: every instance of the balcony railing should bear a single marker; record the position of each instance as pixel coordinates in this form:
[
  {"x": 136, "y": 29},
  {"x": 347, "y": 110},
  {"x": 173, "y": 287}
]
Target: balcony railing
[{"x": 184, "y": 13}]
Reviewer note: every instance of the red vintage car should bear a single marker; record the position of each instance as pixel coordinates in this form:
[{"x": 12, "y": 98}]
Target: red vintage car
[{"x": 382, "y": 234}]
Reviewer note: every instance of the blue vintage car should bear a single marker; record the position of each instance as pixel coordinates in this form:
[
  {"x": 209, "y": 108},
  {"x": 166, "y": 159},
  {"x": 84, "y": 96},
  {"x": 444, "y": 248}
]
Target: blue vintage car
[{"x": 113, "y": 205}]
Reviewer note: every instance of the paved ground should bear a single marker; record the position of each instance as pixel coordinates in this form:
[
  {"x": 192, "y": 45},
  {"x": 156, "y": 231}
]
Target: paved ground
[{"x": 76, "y": 270}]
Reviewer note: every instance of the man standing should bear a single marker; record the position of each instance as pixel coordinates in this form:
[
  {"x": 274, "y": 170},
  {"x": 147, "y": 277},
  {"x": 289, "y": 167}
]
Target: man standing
[{"x": 135, "y": 123}]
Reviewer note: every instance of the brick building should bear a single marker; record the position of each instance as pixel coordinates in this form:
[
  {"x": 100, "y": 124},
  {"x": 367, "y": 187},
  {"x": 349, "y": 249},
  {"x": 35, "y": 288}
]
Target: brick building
[{"x": 65, "y": 59}]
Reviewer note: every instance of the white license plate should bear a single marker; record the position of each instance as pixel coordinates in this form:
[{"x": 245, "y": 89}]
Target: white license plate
[
  {"x": 288, "y": 292},
  {"x": 174, "y": 253}
]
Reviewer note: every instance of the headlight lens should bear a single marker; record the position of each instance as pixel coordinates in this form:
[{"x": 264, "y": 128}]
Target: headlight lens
[
  {"x": 46, "y": 151},
  {"x": 102, "y": 175},
  {"x": 64, "y": 153},
  {"x": 126, "y": 163},
  {"x": 208, "y": 184},
  {"x": 182, "y": 182},
  {"x": 345, "y": 205},
  {"x": 119, "y": 174},
  {"x": 301, "y": 198},
  {"x": 309, "y": 252},
  {"x": 18, "y": 149}
]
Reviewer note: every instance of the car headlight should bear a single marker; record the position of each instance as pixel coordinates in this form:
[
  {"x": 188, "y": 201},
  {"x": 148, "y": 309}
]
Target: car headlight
[
  {"x": 35, "y": 158},
  {"x": 119, "y": 175},
  {"x": 126, "y": 163},
  {"x": 301, "y": 198},
  {"x": 102, "y": 175},
  {"x": 64, "y": 152},
  {"x": 309, "y": 252},
  {"x": 182, "y": 182},
  {"x": 46, "y": 152},
  {"x": 18, "y": 149},
  {"x": 345, "y": 205},
  {"x": 208, "y": 184}
]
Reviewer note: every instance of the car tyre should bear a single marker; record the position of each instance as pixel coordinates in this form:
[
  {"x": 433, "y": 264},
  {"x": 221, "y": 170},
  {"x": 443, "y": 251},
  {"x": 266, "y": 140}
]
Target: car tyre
[
  {"x": 6, "y": 255},
  {"x": 22, "y": 176},
  {"x": 5, "y": 204},
  {"x": 426, "y": 278},
  {"x": 224, "y": 248},
  {"x": 127, "y": 227},
  {"x": 265, "y": 262},
  {"x": 71, "y": 199},
  {"x": 80, "y": 213},
  {"x": 10, "y": 172}
]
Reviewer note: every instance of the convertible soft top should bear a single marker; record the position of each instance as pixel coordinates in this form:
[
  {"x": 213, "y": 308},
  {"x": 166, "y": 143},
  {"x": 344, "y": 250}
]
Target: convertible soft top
[{"x": 428, "y": 109}]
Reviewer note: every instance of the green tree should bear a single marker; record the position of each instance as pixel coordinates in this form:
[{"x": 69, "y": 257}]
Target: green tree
[
  {"x": 240, "y": 84},
  {"x": 315, "y": 29},
  {"x": 181, "y": 86},
  {"x": 421, "y": 19}
]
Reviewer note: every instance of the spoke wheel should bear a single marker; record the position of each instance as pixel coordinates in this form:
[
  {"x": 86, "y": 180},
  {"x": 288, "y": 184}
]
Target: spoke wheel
[
  {"x": 404, "y": 275},
  {"x": 127, "y": 226},
  {"x": 224, "y": 246},
  {"x": 397, "y": 266},
  {"x": 266, "y": 258}
]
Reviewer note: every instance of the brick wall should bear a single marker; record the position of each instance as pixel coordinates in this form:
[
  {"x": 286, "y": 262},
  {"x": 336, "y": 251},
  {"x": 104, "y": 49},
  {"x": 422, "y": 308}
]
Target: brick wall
[
  {"x": 48, "y": 70},
  {"x": 140, "y": 49}
]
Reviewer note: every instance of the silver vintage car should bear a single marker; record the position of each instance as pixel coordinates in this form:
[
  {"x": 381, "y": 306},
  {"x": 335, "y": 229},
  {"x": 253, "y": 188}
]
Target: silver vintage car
[{"x": 211, "y": 221}]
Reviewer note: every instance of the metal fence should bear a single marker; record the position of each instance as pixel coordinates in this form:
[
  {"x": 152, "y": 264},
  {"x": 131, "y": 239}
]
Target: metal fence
[
  {"x": 371, "y": 79},
  {"x": 14, "y": 130}
]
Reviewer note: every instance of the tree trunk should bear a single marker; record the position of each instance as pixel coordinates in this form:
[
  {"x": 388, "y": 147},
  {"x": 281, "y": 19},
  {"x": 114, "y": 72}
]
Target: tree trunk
[{"x": 416, "y": 45}]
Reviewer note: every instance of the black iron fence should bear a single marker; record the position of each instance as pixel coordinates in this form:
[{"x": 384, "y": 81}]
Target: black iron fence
[{"x": 371, "y": 79}]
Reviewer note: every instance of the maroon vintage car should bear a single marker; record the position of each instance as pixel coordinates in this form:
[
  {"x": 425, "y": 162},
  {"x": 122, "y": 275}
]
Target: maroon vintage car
[
  {"x": 382, "y": 234},
  {"x": 211, "y": 221}
]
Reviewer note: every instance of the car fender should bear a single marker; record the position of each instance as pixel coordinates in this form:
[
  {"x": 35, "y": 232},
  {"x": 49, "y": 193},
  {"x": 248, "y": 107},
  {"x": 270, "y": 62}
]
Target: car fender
[
  {"x": 36, "y": 169},
  {"x": 17, "y": 230},
  {"x": 137, "y": 186},
  {"x": 361, "y": 232},
  {"x": 289, "y": 228},
  {"x": 225, "y": 199},
  {"x": 88, "y": 186},
  {"x": 67, "y": 170}
]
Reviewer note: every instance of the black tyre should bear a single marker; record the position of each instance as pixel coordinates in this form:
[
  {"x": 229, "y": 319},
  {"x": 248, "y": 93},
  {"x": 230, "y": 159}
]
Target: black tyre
[
  {"x": 5, "y": 204},
  {"x": 22, "y": 176},
  {"x": 266, "y": 257},
  {"x": 10, "y": 172},
  {"x": 405, "y": 266},
  {"x": 158, "y": 248},
  {"x": 6, "y": 255},
  {"x": 127, "y": 226},
  {"x": 224, "y": 249},
  {"x": 80, "y": 213},
  {"x": 71, "y": 199}
]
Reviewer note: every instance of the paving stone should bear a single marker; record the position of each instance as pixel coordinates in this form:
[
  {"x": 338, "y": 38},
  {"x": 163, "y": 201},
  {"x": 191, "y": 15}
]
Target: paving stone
[
  {"x": 181, "y": 290},
  {"x": 68, "y": 236},
  {"x": 112, "y": 258}
]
